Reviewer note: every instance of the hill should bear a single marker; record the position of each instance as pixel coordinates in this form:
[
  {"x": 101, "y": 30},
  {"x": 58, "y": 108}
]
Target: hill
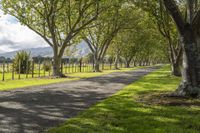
[{"x": 81, "y": 50}]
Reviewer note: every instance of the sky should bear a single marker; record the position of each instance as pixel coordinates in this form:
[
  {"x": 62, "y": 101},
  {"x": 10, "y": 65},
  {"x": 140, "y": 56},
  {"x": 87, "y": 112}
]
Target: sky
[{"x": 14, "y": 36}]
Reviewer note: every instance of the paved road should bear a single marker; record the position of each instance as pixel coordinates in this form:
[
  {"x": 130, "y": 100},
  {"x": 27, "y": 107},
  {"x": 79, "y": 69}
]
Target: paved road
[{"x": 35, "y": 109}]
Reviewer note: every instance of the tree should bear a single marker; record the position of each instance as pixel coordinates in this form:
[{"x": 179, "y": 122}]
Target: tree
[
  {"x": 117, "y": 17},
  {"x": 145, "y": 44},
  {"x": 57, "y": 21},
  {"x": 167, "y": 29},
  {"x": 129, "y": 46},
  {"x": 188, "y": 28},
  {"x": 115, "y": 50},
  {"x": 101, "y": 35}
]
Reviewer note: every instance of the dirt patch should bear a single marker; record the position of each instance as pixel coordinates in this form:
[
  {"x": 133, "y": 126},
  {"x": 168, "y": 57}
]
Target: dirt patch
[{"x": 165, "y": 99}]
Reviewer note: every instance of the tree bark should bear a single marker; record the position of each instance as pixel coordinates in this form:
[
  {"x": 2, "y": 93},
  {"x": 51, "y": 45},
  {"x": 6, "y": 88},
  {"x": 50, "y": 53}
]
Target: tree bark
[
  {"x": 190, "y": 85},
  {"x": 96, "y": 65},
  {"x": 134, "y": 63},
  {"x": 175, "y": 59},
  {"x": 176, "y": 69},
  {"x": 116, "y": 62},
  {"x": 128, "y": 63},
  {"x": 57, "y": 66}
]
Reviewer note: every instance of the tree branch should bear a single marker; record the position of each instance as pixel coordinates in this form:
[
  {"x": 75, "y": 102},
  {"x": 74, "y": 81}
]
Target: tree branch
[
  {"x": 196, "y": 21},
  {"x": 176, "y": 14}
]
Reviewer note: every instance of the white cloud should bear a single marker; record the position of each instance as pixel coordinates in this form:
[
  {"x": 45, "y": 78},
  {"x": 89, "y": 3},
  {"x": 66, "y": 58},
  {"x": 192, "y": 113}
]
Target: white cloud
[{"x": 14, "y": 36}]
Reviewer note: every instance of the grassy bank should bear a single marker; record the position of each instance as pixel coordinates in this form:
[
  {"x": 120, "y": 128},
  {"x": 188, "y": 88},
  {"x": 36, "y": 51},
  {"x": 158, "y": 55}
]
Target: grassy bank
[
  {"x": 13, "y": 84},
  {"x": 125, "y": 112}
]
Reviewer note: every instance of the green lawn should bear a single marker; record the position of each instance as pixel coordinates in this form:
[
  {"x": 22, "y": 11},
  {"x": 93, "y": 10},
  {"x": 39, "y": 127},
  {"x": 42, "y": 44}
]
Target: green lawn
[
  {"x": 13, "y": 84},
  {"x": 124, "y": 113}
]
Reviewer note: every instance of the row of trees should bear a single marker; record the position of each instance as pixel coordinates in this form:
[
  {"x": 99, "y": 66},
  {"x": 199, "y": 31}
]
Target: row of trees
[
  {"x": 149, "y": 30},
  {"x": 63, "y": 23},
  {"x": 179, "y": 23}
]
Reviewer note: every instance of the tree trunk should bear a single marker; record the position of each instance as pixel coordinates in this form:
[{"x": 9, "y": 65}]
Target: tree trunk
[
  {"x": 128, "y": 64},
  {"x": 189, "y": 31},
  {"x": 175, "y": 58},
  {"x": 116, "y": 62},
  {"x": 140, "y": 63},
  {"x": 190, "y": 85},
  {"x": 57, "y": 66},
  {"x": 134, "y": 63},
  {"x": 97, "y": 65},
  {"x": 176, "y": 70}
]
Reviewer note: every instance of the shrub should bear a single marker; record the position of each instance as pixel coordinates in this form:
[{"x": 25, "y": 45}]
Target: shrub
[
  {"x": 47, "y": 65},
  {"x": 22, "y": 62}
]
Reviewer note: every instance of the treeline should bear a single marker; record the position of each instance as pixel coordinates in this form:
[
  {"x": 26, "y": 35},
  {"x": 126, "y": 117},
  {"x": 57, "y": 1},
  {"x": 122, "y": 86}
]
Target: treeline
[
  {"x": 103, "y": 25},
  {"x": 179, "y": 24}
]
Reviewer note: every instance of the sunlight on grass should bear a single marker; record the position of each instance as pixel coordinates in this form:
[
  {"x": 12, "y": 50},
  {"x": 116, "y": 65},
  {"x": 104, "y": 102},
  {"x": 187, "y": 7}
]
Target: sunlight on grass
[
  {"x": 13, "y": 84},
  {"x": 122, "y": 113}
]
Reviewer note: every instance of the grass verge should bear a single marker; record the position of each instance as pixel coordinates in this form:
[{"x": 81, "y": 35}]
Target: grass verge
[
  {"x": 14, "y": 84},
  {"x": 123, "y": 113}
]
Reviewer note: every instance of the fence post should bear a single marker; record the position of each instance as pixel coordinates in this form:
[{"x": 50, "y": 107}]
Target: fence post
[
  {"x": 84, "y": 69},
  {"x": 88, "y": 67},
  {"x": 3, "y": 72},
  {"x": 61, "y": 66},
  {"x": 44, "y": 72},
  {"x": 65, "y": 66},
  {"x": 75, "y": 67},
  {"x": 102, "y": 65},
  {"x": 8, "y": 67},
  {"x": 50, "y": 70},
  {"x": 72, "y": 67},
  {"x": 27, "y": 68},
  {"x": 69, "y": 67},
  {"x": 32, "y": 69},
  {"x": 81, "y": 65},
  {"x": 39, "y": 70},
  {"x": 93, "y": 64},
  {"x": 13, "y": 71},
  {"x": 19, "y": 73}
]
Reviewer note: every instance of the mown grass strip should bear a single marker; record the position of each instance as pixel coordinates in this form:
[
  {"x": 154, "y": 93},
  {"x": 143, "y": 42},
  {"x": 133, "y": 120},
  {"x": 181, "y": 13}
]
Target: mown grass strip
[{"x": 123, "y": 113}]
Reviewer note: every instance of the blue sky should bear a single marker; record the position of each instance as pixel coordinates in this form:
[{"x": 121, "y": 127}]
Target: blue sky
[{"x": 14, "y": 36}]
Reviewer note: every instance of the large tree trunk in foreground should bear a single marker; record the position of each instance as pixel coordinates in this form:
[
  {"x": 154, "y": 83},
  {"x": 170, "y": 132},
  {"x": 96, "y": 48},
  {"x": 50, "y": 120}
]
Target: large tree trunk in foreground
[
  {"x": 190, "y": 85},
  {"x": 189, "y": 31}
]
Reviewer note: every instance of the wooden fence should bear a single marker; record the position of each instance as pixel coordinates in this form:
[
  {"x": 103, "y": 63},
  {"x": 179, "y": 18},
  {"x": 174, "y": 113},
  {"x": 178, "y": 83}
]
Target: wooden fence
[{"x": 36, "y": 70}]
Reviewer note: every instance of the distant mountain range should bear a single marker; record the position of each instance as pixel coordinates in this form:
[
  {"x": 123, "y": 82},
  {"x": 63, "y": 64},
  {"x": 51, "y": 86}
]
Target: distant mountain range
[{"x": 81, "y": 50}]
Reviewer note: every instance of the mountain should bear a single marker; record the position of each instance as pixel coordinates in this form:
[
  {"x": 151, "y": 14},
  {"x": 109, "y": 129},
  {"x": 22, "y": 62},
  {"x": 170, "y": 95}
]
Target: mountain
[{"x": 81, "y": 50}]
